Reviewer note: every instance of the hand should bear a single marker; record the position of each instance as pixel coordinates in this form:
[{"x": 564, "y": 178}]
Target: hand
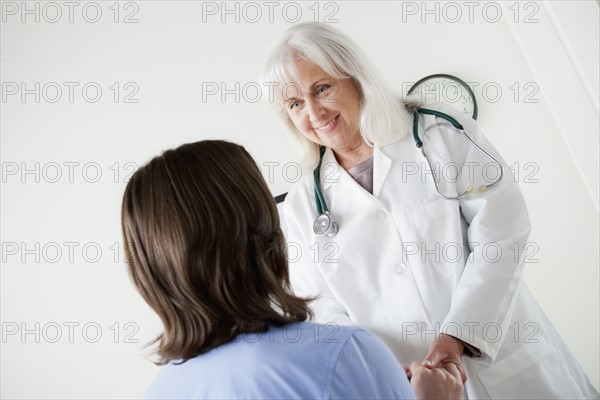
[
  {"x": 445, "y": 350},
  {"x": 443, "y": 382}
]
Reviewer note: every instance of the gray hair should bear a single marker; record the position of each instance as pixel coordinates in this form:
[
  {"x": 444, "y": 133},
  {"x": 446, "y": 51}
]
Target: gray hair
[{"x": 383, "y": 117}]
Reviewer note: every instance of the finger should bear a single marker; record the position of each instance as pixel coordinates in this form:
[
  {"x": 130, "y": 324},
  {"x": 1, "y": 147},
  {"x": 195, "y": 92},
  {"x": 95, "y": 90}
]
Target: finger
[
  {"x": 460, "y": 369},
  {"x": 463, "y": 374},
  {"x": 407, "y": 371},
  {"x": 432, "y": 360},
  {"x": 456, "y": 370},
  {"x": 414, "y": 366}
]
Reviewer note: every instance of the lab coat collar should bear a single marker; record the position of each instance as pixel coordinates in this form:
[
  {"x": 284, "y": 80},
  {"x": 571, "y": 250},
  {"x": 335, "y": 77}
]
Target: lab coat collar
[{"x": 331, "y": 170}]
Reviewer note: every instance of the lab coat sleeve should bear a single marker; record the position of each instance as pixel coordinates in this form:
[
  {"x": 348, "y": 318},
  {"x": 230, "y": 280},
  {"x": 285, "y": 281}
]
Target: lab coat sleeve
[
  {"x": 498, "y": 230},
  {"x": 305, "y": 276}
]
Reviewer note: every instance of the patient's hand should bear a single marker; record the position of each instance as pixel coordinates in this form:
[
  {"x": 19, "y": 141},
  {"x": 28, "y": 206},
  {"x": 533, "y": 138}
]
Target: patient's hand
[{"x": 443, "y": 382}]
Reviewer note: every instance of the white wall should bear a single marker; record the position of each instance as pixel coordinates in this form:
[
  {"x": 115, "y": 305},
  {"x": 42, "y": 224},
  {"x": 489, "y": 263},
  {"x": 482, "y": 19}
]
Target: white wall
[{"x": 170, "y": 54}]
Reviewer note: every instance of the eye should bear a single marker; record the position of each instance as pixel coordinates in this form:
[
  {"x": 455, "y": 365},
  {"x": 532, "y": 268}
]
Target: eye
[
  {"x": 322, "y": 89},
  {"x": 294, "y": 104}
]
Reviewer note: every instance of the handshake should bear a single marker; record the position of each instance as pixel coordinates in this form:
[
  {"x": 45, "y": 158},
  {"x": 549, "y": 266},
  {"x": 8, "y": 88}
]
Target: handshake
[{"x": 440, "y": 375}]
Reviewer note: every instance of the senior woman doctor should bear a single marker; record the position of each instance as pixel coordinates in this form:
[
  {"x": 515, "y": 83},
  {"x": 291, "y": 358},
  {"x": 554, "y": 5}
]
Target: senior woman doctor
[{"x": 438, "y": 280}]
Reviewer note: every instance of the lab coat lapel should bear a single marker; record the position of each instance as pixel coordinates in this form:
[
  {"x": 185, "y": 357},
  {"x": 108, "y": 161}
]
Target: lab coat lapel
[
  {"x": 381, "y": 167},
  {"x": 330, "y": 169}
]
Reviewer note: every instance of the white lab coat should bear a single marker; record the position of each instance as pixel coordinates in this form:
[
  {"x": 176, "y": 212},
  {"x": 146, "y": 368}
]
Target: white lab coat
[{"x": 407, "y": 264}]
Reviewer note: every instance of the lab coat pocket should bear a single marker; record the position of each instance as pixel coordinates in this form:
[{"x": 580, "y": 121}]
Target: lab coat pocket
[
  {"x": 441, "y": 243},
  {"x": 535, "y": 371}
]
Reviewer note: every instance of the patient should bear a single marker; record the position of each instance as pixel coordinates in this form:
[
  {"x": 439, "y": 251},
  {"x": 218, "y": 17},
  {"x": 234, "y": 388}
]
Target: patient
[{"x": 206, "y": 252}]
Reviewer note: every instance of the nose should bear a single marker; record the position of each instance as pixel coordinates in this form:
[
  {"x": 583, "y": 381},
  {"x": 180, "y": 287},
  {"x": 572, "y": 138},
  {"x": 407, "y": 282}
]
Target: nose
[{"x": 316, "y": 111}]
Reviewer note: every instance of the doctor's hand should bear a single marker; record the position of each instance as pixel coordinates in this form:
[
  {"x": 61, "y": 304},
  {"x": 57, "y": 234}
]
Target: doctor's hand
[
  {"x": 446, "y": 350},
  {"x": 436, "y": 383}
]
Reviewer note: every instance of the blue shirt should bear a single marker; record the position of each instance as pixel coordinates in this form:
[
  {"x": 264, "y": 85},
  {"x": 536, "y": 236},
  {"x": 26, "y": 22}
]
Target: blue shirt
[{"x": 297, "y": 361}]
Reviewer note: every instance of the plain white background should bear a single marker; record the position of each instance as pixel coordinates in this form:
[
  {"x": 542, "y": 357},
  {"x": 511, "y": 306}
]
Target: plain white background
[{"x": 84, "y": 103}]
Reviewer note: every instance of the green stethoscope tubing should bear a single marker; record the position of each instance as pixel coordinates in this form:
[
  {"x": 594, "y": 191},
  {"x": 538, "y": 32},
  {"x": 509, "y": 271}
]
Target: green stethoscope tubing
[
  {"x": 460, "y": 128},
  {"x": 324, "y": 225}
]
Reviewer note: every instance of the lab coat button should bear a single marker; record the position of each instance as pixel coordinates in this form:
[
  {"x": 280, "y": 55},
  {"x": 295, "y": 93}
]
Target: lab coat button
[
  {"x": 400, "y": 268},
  {"x": 381, "y": 216}
]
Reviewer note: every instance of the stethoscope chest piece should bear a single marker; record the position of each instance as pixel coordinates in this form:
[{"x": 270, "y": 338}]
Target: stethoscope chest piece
[{"x": 323, "y": 225}]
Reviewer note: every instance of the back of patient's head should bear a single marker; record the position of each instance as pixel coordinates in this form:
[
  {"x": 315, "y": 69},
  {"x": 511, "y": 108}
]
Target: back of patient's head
[{"x": 205, "y": 248}]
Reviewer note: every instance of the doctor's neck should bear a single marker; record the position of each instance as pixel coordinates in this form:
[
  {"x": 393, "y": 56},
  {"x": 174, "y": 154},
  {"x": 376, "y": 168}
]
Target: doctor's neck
[{"x": 349, "y": 157}]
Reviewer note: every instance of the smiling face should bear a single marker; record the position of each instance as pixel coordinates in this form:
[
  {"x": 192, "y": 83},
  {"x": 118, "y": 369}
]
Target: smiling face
[{"x": 324, "y": 109}]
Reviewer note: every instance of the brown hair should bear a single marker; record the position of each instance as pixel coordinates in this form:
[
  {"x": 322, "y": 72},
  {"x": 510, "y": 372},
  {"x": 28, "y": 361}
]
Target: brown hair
[{"x": 205, "y": 248}]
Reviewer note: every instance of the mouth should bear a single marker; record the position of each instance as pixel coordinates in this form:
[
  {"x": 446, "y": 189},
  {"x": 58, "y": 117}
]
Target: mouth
[{"x": 328, "y": 126}]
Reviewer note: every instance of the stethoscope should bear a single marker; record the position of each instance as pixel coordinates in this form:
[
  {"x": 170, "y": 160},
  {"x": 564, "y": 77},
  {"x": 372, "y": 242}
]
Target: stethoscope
[{"x": 324, "y": 225}]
